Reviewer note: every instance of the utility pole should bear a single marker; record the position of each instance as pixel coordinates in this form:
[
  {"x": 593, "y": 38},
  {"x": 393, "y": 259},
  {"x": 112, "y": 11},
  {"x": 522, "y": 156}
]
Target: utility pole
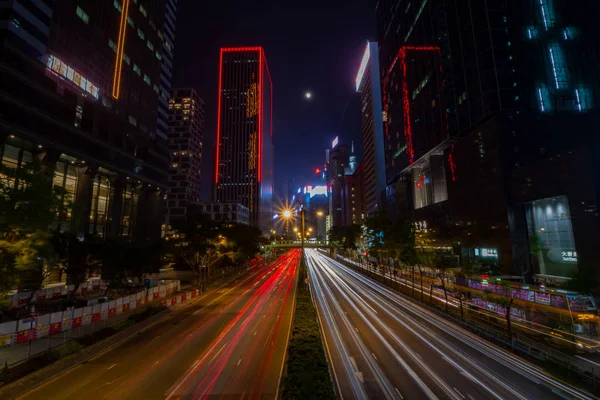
[{"x": 302, "y": 228}]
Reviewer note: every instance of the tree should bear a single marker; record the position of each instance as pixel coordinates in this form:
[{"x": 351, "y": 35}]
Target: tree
[
  {"x": 442, "y": 263},
  {"x": 29, "y": 203},
  {"x": 503, "y": 301},
  {"x": 377, "y": 226}
]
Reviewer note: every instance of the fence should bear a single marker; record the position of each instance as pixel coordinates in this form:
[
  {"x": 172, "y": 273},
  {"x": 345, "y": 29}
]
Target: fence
[
  {"x": 30, "y": 329},
  {"x": 21, "y": 298}
]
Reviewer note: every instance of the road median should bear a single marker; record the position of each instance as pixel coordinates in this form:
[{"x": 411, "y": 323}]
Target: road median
[{"x": 307, "y": 371}]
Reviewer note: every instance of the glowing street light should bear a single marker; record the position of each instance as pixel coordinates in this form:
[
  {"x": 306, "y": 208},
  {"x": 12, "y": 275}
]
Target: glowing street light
[
  {"x": 295, "y": 229},
  {"x": 287, "y": 214},
  {"x": 310, "y": 229},
  {"x": 308, "y": 95},
  {"x": 320, "y": 213}
]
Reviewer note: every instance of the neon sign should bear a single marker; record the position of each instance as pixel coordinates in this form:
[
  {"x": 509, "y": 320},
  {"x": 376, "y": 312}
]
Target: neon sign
[
  {"x": 55, "y": 65},
  {"x": 363, "y": 66},
  {"x": 116, "y": 88}
]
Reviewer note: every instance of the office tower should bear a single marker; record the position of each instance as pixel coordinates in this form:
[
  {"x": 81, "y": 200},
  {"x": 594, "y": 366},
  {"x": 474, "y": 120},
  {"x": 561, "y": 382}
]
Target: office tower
[
  {"x": 80, "y": 87},
  {"x": 244, "y": 158},
  {"x": 491, "y": 106},
  {"x": 166, "y": 66},
  {"x": 338, "y": 162},
  {"x": 186, "y": 132},
  {"x": 368, "y": 84},
  {"x": 353, "y": 197}
]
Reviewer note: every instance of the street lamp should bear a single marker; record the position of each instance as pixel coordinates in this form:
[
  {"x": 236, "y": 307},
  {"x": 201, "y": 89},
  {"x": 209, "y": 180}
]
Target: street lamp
[
  {"x": 287, "y": 214},
  {"x": 319, "y": 213},
  {"x": 310, "y": 229}
]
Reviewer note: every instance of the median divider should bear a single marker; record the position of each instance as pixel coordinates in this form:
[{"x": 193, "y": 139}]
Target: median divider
[{"x": 307, "y": 372}]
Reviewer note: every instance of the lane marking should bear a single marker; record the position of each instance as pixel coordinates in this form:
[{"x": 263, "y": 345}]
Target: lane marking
[
  {"x": 254, "y": 333},
  {"x": 156, "y": 338},
  {"x": 470, "y": 397},
  {"x": 112, "y": 366},
  {"x": 356, "y": 329},
  {"x": 399, "y": 394},
  {"x": 418, "y": 355},
  {"x": 239, "y": 361},
  {"x": 155, "y": 363},
  {"x": 374, "y": 356}
]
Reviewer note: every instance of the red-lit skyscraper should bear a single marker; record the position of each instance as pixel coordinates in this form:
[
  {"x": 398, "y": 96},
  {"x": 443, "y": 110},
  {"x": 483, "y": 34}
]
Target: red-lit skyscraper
[{"x": 244, "y": 158}]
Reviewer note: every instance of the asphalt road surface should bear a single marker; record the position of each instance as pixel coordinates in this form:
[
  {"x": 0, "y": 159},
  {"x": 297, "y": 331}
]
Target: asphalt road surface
[
  {"x": 383, "y": 345},
  {"x": 227, "y": 344}
]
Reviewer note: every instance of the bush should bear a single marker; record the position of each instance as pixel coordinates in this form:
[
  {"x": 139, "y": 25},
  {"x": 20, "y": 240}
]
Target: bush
[
  {"x": 307, "y": 369},
  {"x": 122, "y": 325},
  {"x": 63, "y": 351},
  {"x": 147, "y": 313}
]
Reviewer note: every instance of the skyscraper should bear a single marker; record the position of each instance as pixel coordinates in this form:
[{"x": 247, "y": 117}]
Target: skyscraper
[
  {"x": 81, "y": 92},
  {"x": 368, "y": 84},
  {"x": 186, "y": 131},
  {"x": 477, "y": 98},
  {"x": 339, "y": 160},
  {"x": 244, "y": 157}
]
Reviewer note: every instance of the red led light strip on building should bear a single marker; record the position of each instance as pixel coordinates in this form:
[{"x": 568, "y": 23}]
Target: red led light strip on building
[
  {"x": 401, "y": 56},
  {"x": 116, "y": 88},
  {"x": 260, "y": 100},
  {"x": 260, "y": 108},
  {"x": 219, "y": 100}
]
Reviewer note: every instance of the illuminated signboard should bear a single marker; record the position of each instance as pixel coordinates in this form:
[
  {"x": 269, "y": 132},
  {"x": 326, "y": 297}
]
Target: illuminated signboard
[
  {"x": 335, "y": 142},
  {"x": 487, "y": 253},
  {"x": 363, "y": 66},
  {"x": 55, "y": 65},
  {"x": 569, "y": 256},
  {"x": 318, "y": 190}
]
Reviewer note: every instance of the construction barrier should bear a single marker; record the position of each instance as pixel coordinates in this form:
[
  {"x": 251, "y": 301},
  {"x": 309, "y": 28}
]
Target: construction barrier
[{"x": 41, "y": 326}]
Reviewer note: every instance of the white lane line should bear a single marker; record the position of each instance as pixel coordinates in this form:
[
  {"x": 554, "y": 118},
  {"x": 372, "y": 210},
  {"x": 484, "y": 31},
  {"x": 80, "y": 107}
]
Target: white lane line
[
  {"x": 239, "y": 361},
  {"x": 356, "y": 329},
  {"x": 112, "y": 366},
  {"x": 156, "y": 338},
  {"x": 399, "y": 394},
  {"x": 254, "y": 333},
  {"x": 470, "y": 397},
  {"x": 418, "y": 355},
  {"x": 374, "y": 356},
  {"x": 459, "y": 393},
  {"x": 155, "y": 363}
]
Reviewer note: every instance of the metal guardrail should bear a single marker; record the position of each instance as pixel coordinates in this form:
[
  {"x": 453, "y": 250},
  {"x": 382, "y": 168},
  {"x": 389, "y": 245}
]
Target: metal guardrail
[{"x": 298, "y": 243}]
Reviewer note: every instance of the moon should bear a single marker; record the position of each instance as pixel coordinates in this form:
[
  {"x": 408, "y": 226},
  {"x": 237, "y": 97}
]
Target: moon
[{"x": 308, "y": 95}]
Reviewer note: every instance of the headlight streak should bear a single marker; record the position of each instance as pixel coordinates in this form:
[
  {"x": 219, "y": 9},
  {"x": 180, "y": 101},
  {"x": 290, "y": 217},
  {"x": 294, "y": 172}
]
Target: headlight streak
[
  {"x": 357, "y": 387},
  {"x": 383, "y": 382},
  {"x": 515, "y": 363},
  {"x": 447, "y": 389},
  {"x": 386, "y": 306}
]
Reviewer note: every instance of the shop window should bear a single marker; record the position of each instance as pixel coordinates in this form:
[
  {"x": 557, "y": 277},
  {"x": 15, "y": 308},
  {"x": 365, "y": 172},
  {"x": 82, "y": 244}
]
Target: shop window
[{"x": 551, "y": 238}]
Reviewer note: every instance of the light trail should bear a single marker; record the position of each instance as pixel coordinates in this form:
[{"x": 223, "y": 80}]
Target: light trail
[{"x": 366, "y": 296}]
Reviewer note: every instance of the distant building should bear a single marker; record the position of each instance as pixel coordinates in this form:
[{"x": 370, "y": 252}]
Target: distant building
[
  {"x": 369, "y": 85},
  {"x": 244, "y": 156},
  {"x": 226, "y": 212},
  {"x": 82, "y": 82},
  {"x": 339, "y": 160},
  {"x": 186, "y": 131},
  {"x": 353, "y": 197}
]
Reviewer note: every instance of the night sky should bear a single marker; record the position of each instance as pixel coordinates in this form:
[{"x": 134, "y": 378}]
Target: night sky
[{"x": 310, "y": 46}]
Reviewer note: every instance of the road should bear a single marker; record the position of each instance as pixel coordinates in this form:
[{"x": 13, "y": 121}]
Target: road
[
  {"x": 230, "y": 344},
  {"x": 383, "y": 345}
]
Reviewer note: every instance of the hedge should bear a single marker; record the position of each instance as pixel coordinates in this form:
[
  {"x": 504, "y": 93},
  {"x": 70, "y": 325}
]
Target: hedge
[{"x": 307, "y": 374}]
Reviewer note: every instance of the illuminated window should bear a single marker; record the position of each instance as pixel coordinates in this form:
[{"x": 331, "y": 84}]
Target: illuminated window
[
  {"x": 141, "y": 34},
  {"x": 147, "y": 79},
  {"x": 143, "y": 11},
  {"x": 112, "y": 45},
  {"x": 130, "y": 22},
  {"x": 82, "y": 14},
  {"x": 158, "y": 56},
  {"x": 155, "y": 87},
  {"x": 559, "y": 66},
  {"x": 132, "y": 120},
  {"x": 150, "y": 45},
  {"x": 137, "y": 69},
  {"x": 117, "y": 4}
]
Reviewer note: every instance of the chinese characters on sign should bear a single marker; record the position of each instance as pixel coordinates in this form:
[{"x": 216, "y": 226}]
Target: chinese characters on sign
[
  {"x": 63, "y": 70},
  {"x": 569, "y": 256}
]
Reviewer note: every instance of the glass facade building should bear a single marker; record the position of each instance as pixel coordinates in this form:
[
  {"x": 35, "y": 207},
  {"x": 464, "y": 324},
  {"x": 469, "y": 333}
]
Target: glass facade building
[
  {"x": 81, "y": 88},
  {"x": 489, "y": 119},
  {"x": 244, "y": 158}
]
